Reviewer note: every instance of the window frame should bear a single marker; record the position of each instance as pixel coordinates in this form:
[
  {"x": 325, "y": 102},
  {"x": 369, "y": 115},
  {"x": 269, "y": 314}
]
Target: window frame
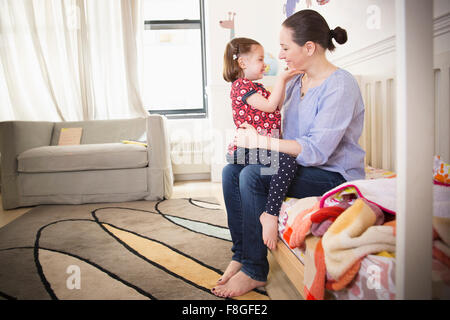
[{"x": 182, "y": 25}]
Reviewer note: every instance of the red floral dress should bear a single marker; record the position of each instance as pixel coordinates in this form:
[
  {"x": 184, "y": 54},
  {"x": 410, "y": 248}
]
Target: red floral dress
[{"x": 264, "y": 122}]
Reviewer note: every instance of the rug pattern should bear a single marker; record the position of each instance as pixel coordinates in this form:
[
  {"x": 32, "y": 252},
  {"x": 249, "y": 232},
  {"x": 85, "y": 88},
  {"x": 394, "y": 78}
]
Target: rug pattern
[{"x": 171, "y": 249}]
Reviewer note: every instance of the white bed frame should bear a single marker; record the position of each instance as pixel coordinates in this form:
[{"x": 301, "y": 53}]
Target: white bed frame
[{"x": 406, "y": 124}]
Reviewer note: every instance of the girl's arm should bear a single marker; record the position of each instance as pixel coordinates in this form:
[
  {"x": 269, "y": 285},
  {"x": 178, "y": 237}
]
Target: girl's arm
[{"x": 276, "y": 97}]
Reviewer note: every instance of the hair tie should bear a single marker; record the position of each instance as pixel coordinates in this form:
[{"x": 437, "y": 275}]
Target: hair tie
[
  {"x": 332, "y": 34},
  {"x": 235, "y": 52}
]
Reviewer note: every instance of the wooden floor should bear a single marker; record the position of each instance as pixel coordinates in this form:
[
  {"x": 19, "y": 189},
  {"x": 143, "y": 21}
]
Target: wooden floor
[{"x": 279, "y": 287}]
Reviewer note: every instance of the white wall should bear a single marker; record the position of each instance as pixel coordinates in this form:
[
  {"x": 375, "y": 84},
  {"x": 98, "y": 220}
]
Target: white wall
[{"x": 370, "y": 25}]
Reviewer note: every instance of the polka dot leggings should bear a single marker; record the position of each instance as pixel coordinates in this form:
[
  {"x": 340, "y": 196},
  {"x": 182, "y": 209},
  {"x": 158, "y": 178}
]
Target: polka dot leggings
[{"x": 281, "y": 166}]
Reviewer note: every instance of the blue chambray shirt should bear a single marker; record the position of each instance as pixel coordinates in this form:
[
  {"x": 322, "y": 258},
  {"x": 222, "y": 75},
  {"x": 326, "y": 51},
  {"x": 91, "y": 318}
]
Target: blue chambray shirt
[{"x": 327, "y": 123}]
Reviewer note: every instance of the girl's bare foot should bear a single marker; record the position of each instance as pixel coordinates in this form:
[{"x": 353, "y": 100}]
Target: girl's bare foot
[
  {"x": 270, "y": 229},
  {"x": 238, "y": 285},
  {"x": 231, "y": 270}
]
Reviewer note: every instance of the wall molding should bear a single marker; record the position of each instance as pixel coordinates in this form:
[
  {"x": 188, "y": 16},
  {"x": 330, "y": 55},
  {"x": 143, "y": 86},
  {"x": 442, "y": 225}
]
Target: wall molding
[
  {"x": 370, "y": 52},
  {"x": 441, "y": 26}
]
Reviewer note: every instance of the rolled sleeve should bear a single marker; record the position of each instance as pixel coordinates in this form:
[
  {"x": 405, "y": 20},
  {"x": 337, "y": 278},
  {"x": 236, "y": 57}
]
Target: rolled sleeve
[{"x": 247, "y": 95}]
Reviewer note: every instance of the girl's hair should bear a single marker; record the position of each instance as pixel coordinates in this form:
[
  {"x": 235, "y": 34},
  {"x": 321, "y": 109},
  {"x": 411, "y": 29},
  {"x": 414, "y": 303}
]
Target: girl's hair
[
  {"x": 309, "y": 25},
  {"x": 235, "y": 48}
]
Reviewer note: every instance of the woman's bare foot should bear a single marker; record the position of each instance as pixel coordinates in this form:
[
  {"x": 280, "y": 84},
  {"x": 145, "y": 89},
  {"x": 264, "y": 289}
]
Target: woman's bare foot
[
  {"x": 231, "y": 270},
  {"x": 238, "y": 285},
  {"x": 270, "y": 229}
]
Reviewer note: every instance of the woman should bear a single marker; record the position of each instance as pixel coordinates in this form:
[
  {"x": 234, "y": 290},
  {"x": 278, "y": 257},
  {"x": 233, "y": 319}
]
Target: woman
[{"x": 323, "y": 121}]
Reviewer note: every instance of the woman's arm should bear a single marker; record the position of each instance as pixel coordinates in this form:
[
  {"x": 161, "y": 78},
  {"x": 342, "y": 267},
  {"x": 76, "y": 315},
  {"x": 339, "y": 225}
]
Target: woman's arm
[
  {"x": 276, "y": 97},
  {"x": 248, "y": 137},
  {"x": 290, "y": 147}
]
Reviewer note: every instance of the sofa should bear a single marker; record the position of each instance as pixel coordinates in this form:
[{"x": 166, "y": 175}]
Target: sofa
[{"x": 102, "y": 168}]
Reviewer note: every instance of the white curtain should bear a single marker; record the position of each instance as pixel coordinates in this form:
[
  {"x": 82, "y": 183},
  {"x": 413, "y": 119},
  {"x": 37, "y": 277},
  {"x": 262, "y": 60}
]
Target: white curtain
[{"x": 67, "y": 60}]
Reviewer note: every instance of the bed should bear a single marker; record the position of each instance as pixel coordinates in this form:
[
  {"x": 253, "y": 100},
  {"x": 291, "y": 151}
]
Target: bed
[{"x": 367, "y": 259}]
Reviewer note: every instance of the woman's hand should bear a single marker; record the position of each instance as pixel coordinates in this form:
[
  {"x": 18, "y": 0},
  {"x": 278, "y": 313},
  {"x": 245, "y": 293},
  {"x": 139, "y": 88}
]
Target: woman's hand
[{"x": 247, "y": 136}]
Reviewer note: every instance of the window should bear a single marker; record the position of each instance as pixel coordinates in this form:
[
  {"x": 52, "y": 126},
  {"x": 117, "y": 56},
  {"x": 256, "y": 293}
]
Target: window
[{"x": 174, "y": 58}]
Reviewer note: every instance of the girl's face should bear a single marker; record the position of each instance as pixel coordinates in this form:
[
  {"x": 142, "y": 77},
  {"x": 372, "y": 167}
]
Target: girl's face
[
  {"x": 294, "y": 55},
  {"x": 253, "y": 63}
]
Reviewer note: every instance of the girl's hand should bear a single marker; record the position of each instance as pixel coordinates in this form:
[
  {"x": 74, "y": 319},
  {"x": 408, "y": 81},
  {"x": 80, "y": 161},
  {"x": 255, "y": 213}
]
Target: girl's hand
[
  {"x": 247, "y": 136},
  {"x": 287, "y": 74}
]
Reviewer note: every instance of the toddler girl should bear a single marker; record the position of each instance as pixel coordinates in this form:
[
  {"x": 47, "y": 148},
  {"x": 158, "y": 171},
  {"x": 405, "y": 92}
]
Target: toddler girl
[{"x": 253, "y": 104}]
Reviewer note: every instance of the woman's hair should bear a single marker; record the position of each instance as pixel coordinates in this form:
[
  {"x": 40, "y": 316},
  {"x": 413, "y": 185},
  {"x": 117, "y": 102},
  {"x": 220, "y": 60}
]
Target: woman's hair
[
  {"x": 309, "y": 25},
  {"x": 235, "y": 48}
]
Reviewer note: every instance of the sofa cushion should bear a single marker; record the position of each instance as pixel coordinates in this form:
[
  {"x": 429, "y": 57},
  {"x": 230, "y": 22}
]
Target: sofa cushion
[
  {"x": 84, "y": 183},
  {"x": 82, "y": 157}
]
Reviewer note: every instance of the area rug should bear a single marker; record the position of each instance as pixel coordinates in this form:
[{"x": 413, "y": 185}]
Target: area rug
[{"x": 165, "y": 250}]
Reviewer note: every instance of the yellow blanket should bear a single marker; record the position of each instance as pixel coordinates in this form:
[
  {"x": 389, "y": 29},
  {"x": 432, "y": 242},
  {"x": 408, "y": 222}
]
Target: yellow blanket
[{"x": 352, "y": 236}]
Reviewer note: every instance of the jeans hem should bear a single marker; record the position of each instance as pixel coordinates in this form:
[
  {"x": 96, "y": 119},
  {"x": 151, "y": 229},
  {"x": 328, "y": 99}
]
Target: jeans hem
[{"x": 253, "y": 276}]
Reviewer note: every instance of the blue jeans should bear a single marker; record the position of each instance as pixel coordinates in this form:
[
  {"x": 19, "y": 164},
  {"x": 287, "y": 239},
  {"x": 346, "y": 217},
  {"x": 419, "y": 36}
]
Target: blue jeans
[{"x": 245, "y": 192}]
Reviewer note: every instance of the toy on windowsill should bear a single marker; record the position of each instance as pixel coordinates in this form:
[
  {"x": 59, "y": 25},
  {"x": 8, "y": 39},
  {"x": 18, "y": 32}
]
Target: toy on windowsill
[{"x": 440, "y": 172}]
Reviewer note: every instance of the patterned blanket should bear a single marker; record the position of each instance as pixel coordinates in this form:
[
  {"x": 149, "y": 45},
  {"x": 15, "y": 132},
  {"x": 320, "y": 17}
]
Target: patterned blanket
[{"x": 346, "y": 239}]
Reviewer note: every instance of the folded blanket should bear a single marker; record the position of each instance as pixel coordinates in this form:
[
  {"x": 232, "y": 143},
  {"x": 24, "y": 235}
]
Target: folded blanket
[
  {"x": 350, "y": 274},
  {"x": 441, "y": 201},
  {"x": 381, "y": 192},
  {"x": 323, "y": 218},
  {"x": 441, "y": 224},
  {"x": 441, "y": 252},
  {"x": 441, "y": 243},
  {"x": 314, "y": 278},
  {"x": 365, "y": 285},
  {"x": 291, "y": 207},
  {"x": 330, "y": 213},
  {"x": 296, "y": 231},
  {"x": 345, "y": 279},
  {"x": 318, "y": 229},
  {"x": 354, "y": 235}
]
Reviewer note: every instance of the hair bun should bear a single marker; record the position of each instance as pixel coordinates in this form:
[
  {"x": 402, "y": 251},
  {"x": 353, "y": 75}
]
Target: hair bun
[{"x": 339, "y": 34}]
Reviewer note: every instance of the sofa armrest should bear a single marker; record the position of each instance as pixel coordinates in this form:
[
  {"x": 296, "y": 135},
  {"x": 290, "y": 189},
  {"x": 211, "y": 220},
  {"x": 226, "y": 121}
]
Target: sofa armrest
[
  {"x": 15, "y": 138},
  {"x": 160, "y": 165}
]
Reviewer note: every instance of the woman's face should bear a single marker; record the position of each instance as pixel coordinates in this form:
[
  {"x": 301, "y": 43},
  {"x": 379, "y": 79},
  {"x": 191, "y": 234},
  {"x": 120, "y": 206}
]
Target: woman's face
[{"x": 294, "y": 55}]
